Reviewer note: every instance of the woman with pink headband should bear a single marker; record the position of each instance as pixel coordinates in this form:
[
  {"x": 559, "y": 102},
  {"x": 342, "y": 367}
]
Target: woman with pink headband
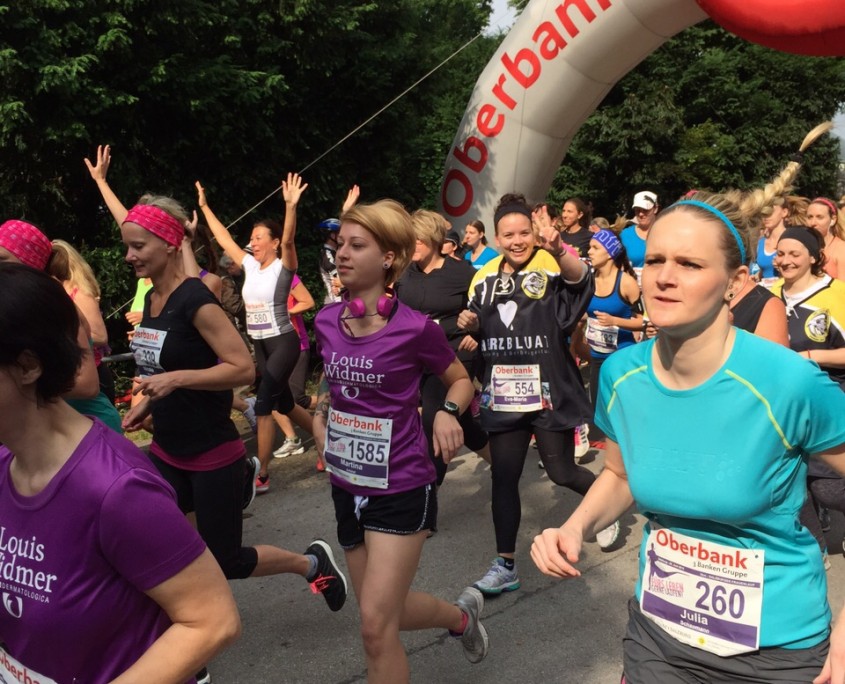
[
  {"x": 23, "y": 243},
  {"x": 823, "y": 215},
  {"x": 189, "y": 357}
]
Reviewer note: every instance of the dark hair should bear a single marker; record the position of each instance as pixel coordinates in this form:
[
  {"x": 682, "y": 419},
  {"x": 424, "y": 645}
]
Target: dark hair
[
  {"x": 623, "y": 263},
  {"x": 550, "y": 208},
  {"x": 586, "y": 211},
  {"x": 817, "y": 269},
  {"x": 479, "y": 226},
  {"x": 203, "y": 249},
  {"x": 39, "y": 317},
  {"x": 275, "y": 229},
  {"x": 511, "y": 203}
]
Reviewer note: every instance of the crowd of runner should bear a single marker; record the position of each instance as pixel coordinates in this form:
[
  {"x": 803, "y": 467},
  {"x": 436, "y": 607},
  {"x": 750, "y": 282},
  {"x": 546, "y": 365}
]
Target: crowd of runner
[{"x": 659, "y": 335}]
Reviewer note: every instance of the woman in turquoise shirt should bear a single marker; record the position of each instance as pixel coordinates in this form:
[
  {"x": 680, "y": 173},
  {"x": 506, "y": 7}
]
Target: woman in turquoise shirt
[{"x": 712, "y": 447}]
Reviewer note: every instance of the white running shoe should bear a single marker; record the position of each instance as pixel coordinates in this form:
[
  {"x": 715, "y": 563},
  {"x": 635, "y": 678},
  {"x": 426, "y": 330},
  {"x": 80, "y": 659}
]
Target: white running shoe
[
  {"x": 474, "y": 637},
  {"x": 291, "y": 447},
  {"x": 498, "y": 579},
  {"x": 582, "y": 441},
  {"x": 608, "y": 536}
]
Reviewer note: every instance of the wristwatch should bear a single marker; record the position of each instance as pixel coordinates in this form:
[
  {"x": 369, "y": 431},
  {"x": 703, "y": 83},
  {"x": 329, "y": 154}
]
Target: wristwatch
[{"x": 451, "y": 408}]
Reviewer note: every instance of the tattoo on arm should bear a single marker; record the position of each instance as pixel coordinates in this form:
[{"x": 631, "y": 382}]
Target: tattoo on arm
[{"x": 323, "y": 398}]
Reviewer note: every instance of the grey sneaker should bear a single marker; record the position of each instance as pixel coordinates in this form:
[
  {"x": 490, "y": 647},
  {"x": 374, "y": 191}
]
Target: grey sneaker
[
  {"x": 474, "y": 638},
  {"x": 498, "y": 579},
  {"x": 253, "y": 465},
  {"x": 606, "y": 537},
  {"x": 291, "y": 447}
]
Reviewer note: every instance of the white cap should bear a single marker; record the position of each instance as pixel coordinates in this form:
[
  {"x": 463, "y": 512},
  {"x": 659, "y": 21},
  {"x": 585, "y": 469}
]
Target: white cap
[{"x": 644, "y": 200}]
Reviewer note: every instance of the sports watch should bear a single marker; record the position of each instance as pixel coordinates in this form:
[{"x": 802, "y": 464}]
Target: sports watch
[{"x": 451, "y": 408}]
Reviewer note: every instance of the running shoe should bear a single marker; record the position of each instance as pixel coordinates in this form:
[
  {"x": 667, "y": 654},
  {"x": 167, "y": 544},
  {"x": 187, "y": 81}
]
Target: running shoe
[
  {"x": 582, "y": 442},
  {"x": 249, "y": 414},
  {"x": 291, "y": 447},
  {"x": 253, "y": 465},
  {"x": 824, "y": 518},
  {"x": 203, "y": 676},
  {"x": 262, "y": 484},
  {"x": 498, "y": 579},
  {"x": 826, "y": 559},
  {"x": 606, "y": 537},
  {"x": 474, "y": 637},
  {"x": 328, "y": 580}
]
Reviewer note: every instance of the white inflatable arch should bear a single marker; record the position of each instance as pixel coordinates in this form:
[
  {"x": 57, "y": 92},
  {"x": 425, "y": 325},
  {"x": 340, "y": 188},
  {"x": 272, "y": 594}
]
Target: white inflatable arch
[{"x": 549, "y": 74}]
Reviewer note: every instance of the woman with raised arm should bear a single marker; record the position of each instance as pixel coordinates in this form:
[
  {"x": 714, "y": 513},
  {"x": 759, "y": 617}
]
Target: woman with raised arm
[
  {"x": 731, "y": 586},
  {"x": 95, "y": 546},
  {"x": 269, "y": 272},
  {"x": 522, "y": 307}
]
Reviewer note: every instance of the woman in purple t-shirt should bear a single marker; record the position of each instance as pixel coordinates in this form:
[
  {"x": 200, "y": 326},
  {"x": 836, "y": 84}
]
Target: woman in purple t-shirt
[
  {"x": 367, "y": 426},
  {"x": 94, "y": 544}
]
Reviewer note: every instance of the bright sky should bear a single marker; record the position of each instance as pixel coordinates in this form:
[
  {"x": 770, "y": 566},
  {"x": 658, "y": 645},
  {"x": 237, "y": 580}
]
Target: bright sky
[{"x": 502, "y": 15}]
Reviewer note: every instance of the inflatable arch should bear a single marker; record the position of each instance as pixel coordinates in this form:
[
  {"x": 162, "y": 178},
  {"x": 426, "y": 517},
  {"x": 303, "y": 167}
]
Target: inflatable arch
[{"x": 559, "y": 61}]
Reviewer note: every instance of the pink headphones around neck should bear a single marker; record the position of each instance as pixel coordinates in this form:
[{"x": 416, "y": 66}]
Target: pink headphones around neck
[{"x": 384, "y": 307}]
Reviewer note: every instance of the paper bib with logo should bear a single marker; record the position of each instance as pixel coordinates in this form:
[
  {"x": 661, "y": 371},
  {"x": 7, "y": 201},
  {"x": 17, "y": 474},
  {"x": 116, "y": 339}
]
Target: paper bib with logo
[
  {"x": 358, "y": 448},
  {"x": 516, "y": 388},
  {"x": 602, "y": 339},
  {"x": 704, "y": 594},
  {"x": 12, "y": 671},
  {"x": 146, "y": 346},
  {"x": 260, "y": 322}
]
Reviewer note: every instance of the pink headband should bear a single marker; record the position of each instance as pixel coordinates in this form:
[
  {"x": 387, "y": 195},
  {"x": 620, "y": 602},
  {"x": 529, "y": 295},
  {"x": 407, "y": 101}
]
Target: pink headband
[
  {"x": 830, "y": 205},
  {"x": 29, "y": 245},
  {"x": 158, "y": 222}
]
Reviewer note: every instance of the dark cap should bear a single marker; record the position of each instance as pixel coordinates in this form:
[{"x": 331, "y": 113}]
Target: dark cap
[{"x": 452, "y": 236}]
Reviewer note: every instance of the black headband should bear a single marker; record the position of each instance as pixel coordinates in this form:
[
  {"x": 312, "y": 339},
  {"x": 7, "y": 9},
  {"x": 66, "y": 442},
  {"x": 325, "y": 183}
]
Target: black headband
[
  {"x": 805, "y": 237},
  {"x": 510, "y": 208}
]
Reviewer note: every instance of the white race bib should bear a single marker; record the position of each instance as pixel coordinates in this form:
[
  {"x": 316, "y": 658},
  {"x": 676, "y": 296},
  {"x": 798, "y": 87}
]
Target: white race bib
[
  {"x": 147, "y": 344},
  {"x": 603, "y": 339},
  {"x": 12, "y": 671},
  {"x": 704, "y": 594},
  {"x": 358, "y": 448},
  {"x": 260, "y": 322},
  {"x": 516, "y": 388}
]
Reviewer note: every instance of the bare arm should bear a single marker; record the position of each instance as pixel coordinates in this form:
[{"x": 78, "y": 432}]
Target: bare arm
[
  {"x": 292, "y": 190},
  {"x": 447, "y": 434},
  {"x": 90, "y": 309},
  {"x": 556, "y": 550},
  {"x": 772, "y": 324},
  {"x": 304, "y": 300},
  {"x": 224, "y": 237},
  {"x": 98, "y": 172},
  {"x": 234, "y": 369},
  {"x": 205, "y": 620}
]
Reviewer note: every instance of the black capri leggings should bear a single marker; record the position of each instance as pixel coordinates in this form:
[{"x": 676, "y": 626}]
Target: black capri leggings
[
  {"x": 276, "y": 358},
  {"x": 216, "y": 496},
  {"x": 507, "y": 451}
]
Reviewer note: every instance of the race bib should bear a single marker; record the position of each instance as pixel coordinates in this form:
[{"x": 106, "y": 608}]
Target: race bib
[
  {"x": 358, "y": 448},
  {"x": 12, "y": 671},
  {"x": 260, "y": 322},
  {"x": 704, "y": 594},
  {"x": 146, "y": 346},
  {"x": 638, "y": 270},
  {"x": 602, "y": 339},
  {"x": 516, "y": 388}
]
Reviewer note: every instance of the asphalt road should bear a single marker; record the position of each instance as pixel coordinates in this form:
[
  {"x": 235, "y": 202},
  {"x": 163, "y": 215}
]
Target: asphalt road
[{"x": 547, "y": 631}]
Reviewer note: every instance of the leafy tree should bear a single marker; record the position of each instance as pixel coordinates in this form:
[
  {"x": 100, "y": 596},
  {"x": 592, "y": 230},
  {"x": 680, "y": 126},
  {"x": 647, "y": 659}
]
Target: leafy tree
[{"x": 709, "y": 111}]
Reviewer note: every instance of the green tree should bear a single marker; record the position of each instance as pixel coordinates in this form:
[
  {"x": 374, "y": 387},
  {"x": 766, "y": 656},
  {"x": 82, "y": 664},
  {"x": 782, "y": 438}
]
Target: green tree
[{"x": 708, "y": 111}]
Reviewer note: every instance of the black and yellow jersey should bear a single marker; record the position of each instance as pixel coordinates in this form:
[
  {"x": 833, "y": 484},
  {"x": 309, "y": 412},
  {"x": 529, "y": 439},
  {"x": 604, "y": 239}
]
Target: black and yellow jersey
[
  {"x": 817, "y": 321},
  {"x": 525, "y": 319}
]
